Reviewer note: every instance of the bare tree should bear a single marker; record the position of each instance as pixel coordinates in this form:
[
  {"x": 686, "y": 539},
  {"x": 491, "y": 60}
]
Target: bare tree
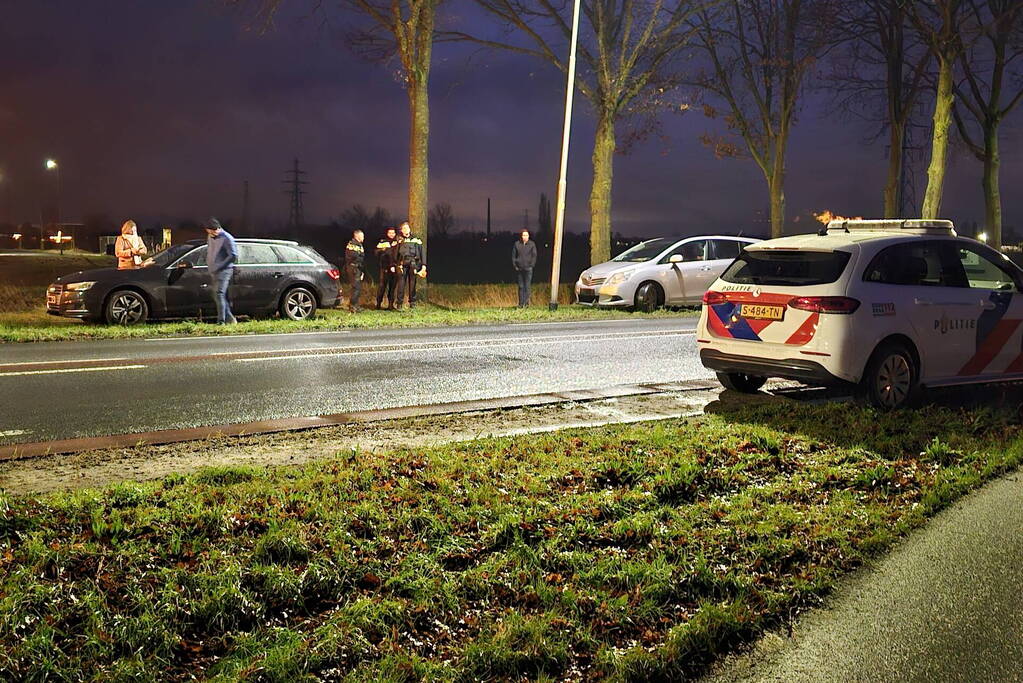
[
  {"x": 625, "y": 51},
  {"x": 442, "y": 219},
  {"x": 940, "y": 25},
  {"x": 879, "y": 74},
  {"x": 759, "y": 53},
  {"x": 402, "y": 28},
  {"x": 991, "y": 87}
]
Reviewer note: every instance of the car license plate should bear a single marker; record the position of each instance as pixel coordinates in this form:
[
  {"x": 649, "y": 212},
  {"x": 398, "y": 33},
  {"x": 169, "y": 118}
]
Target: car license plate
[{"x": 761, "y": 312}]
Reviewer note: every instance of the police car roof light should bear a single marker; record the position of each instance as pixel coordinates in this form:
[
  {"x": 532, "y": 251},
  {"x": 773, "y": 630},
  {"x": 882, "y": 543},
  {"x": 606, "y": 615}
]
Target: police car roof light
[{"x": 913, "y": 226}]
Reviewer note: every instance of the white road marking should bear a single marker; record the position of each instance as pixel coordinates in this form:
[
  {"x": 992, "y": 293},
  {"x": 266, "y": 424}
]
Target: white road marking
[
  {"x": 62, "y": 362},
  {"x": 64, "y": 370},
  {"x": 362, "y": 351},
  {"x": 247, "y": 336}
]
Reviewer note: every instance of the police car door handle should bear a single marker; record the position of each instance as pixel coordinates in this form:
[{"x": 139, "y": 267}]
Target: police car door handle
[
  {"x": 923, "y": 302},
  {"x": 988, "y": 305}
]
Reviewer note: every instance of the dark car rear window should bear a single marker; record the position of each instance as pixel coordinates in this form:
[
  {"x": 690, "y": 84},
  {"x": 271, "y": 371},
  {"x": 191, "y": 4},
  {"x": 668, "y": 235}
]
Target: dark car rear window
[{"x": 786, "y": 268}]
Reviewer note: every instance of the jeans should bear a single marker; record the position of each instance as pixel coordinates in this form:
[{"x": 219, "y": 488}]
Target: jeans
[
  {"x": 221, "y": 281},
  {"x": 525, "y": 279}
]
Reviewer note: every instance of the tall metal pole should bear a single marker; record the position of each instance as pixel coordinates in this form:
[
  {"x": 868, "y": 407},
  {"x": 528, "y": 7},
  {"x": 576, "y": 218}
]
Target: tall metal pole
[{"x": 559, "y": 224}]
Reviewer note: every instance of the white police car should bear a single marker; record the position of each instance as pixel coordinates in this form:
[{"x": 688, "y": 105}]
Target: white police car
[{"x": 887, "y": 306}]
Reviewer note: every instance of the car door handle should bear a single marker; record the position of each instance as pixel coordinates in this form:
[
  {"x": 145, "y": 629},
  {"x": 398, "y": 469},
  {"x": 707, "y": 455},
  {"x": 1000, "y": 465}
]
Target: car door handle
[
  {"x": 928, "y": 302},
  {"x": 278, "y": 274},
  {"x": 923, "y": 302},
  {"x": 988, "y": 305}
]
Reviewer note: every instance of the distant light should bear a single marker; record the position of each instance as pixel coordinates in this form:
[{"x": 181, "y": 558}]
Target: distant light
[
  {"x": 982, "y": 237},
  {"x": 16, "y": 236},
  {"x": 51, "y": 164}
]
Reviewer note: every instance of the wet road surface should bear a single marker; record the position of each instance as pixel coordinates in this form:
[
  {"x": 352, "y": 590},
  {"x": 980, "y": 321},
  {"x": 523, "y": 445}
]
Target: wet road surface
[{"x": 78, "y": 389}]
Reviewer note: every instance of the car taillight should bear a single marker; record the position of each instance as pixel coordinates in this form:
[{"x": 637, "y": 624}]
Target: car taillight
[
  {"x": 713, "y": 298},
  {"x": 334, "y": 274},
  {"x": 825, "y": 304}
]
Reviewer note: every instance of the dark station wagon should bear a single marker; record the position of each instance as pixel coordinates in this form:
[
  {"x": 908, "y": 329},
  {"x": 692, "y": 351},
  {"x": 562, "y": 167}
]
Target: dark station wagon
[{"x": 271, "y": 276}]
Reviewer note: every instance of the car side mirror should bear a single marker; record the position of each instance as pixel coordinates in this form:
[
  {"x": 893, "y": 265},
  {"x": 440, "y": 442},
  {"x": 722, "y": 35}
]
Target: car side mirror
[
  {"x": 184, "y": 264},
  {"x": 675, "y": 258}
]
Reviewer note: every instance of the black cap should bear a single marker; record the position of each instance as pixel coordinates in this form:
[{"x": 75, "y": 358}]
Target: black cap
[{"x": 211, "y": 223}]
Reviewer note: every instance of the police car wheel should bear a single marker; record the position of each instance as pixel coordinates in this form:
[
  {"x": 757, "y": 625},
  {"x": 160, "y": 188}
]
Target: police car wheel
[
  {"x": 126, "y": 307},
  {"x": 891, "y": 378},
  {"x": 737, "y": 381},
  {"x": 298, "y": 304},
  {"x": 648, "y": 298}
]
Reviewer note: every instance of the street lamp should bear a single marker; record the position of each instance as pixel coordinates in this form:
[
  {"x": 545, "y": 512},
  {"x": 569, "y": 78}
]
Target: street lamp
[
  {"x": 52, "y": 165},
  {"x": 559, "y": 223}
]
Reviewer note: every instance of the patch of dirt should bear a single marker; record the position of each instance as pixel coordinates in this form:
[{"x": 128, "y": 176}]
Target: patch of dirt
[{"x": 101, "y": 468}]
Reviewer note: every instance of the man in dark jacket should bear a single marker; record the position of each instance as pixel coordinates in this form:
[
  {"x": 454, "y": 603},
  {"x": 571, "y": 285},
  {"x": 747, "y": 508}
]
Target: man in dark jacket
[
  {"x": 410, "y": 264},
  {"x": 387, "y": 258},
  {"x": 221, "y": 255},
  {"x": 355, "y": 255},
  {"x": 524, "y": 260}
]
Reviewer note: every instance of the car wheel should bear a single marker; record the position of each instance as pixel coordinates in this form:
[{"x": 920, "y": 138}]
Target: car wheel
[
  {"x": 737, "y": 381},
  {"x": 648, "y": 298},
  {"x": 298, "y": 304},
  {"x": 891, "y": 379},
  {"x": 126, "y": 307}
]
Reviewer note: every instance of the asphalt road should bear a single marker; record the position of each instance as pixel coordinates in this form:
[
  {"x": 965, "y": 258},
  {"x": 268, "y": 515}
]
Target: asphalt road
[
  {"x": 78, "y": 389},
  {"x": 946, "y": 605}
]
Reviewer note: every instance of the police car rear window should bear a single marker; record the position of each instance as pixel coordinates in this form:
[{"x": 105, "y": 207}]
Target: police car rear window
[{"x": 788, "y": 268}]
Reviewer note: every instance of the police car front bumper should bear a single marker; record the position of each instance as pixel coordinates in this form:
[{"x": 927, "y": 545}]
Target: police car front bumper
[{"x": 807, "y": 371}]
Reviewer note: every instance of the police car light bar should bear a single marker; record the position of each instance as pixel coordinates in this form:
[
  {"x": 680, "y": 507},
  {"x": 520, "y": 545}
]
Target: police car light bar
[{"x": 914, "y": 226}]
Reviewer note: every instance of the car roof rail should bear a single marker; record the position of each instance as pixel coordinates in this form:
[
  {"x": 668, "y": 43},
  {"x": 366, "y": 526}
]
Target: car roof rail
[{"x": 912, "y": 226}]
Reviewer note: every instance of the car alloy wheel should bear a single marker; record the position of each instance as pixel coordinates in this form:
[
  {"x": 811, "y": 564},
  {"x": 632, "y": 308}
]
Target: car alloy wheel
[
  {"x": 127, "y": 308},
  {"x": 894, "y": 380},
  {"x": 299, "y": 304},
  {"x": 647, "y": 298}
]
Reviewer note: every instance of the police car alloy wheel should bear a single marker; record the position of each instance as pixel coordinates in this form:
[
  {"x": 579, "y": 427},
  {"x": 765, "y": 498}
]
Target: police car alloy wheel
[
  {"x": 298, "y": 304},
  {"x": 890, "y": 380},
  {"x": 126, "y": 307}
]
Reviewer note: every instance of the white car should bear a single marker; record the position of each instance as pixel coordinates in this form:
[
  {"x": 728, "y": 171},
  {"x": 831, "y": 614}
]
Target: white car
[
  {"x": 666, "y": 271},
  {"x": 885, "y": 306}
]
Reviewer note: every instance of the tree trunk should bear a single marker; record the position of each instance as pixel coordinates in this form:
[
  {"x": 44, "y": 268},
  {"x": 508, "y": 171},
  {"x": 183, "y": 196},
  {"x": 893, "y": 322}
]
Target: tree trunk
[
  {"x": 943, "y": 103},
  {"x": 419, "y": 140},
  {"x": 992, "y": 193},
  {"x": 600, "y": 193},
  {"x": 893, "y": 184},
  {"x": 776, "y": 188}
]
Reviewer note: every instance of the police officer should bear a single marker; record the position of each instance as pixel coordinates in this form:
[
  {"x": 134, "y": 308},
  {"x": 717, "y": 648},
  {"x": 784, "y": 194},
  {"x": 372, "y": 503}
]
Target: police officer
[
  {"x": 387, "y": 257},
  {"x": 355, "y": 255},
  {"x": 410, "y": 264}
]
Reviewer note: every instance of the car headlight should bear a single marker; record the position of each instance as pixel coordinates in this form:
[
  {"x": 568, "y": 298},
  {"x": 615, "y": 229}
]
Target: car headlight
[
  {"x": 619, "y": 278},
  {"x": 78, "y": 286}
]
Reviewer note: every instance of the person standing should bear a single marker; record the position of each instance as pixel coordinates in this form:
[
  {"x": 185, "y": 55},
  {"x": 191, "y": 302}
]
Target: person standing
[
  {"x": 524, "y": 260},
  {"x": 221, "y": 255},
  {"x": 387, "y": 258},
  {"x": 410, "y": 264},
  {"x": 355, "y": 256},
  {"x": 129, "y": 247}
]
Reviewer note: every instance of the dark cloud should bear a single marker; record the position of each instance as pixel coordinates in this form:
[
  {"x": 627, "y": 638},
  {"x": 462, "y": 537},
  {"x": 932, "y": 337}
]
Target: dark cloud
[{"x": 161, "y": 110}]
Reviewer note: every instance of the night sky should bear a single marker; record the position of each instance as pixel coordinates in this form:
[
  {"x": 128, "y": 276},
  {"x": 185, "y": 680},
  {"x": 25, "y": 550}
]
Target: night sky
[{"x": 159, "y": 110}]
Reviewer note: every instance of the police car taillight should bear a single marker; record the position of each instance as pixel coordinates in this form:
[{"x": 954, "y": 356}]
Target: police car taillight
[
  {"x": 713, "y": 298},
  {"x": 334, "y": 274},
  {"x": 825, "y": 304}
]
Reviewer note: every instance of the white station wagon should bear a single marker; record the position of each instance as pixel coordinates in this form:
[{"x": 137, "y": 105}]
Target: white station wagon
[{"x": 886, "y": 306}]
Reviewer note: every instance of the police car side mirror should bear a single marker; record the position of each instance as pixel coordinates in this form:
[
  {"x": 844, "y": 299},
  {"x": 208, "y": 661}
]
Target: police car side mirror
[{"x": 675, "y": 258}]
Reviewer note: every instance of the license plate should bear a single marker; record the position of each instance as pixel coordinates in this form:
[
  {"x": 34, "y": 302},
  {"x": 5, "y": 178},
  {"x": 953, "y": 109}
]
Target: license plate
[{"x": 761, "y": 312}]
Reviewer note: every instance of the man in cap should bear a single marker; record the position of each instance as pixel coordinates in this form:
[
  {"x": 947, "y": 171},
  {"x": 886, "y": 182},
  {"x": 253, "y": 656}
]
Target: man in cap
[
  {"x": 221, "y": 255},
  {"x": 355, "y": 255}
]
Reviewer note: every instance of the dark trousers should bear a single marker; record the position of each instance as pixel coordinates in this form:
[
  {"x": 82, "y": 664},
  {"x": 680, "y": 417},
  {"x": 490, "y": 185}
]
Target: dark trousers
[
  {"x": 355, "y": 280},
  {"x": 388, "y": 282},
  {"x": 407, "y": 285},
  {"x": 525, "y": 280}
]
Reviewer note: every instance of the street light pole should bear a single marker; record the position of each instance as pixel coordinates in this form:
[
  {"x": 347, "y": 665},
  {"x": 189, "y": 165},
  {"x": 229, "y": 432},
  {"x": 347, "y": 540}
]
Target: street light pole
[{"x": 559, "y": 224}]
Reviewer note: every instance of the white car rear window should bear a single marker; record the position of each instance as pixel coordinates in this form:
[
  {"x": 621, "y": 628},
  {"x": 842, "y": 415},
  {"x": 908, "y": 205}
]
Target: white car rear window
[{"x": 786, "y": 268}]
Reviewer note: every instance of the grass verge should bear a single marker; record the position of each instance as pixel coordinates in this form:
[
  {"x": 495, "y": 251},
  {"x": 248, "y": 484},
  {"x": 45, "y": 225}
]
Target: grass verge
[{"x": 637, "y": 552}]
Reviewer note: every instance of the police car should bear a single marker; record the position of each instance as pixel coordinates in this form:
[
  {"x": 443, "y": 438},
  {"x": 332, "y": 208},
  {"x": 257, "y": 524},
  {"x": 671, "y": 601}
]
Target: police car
[{"x": 885, "y": 306}]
